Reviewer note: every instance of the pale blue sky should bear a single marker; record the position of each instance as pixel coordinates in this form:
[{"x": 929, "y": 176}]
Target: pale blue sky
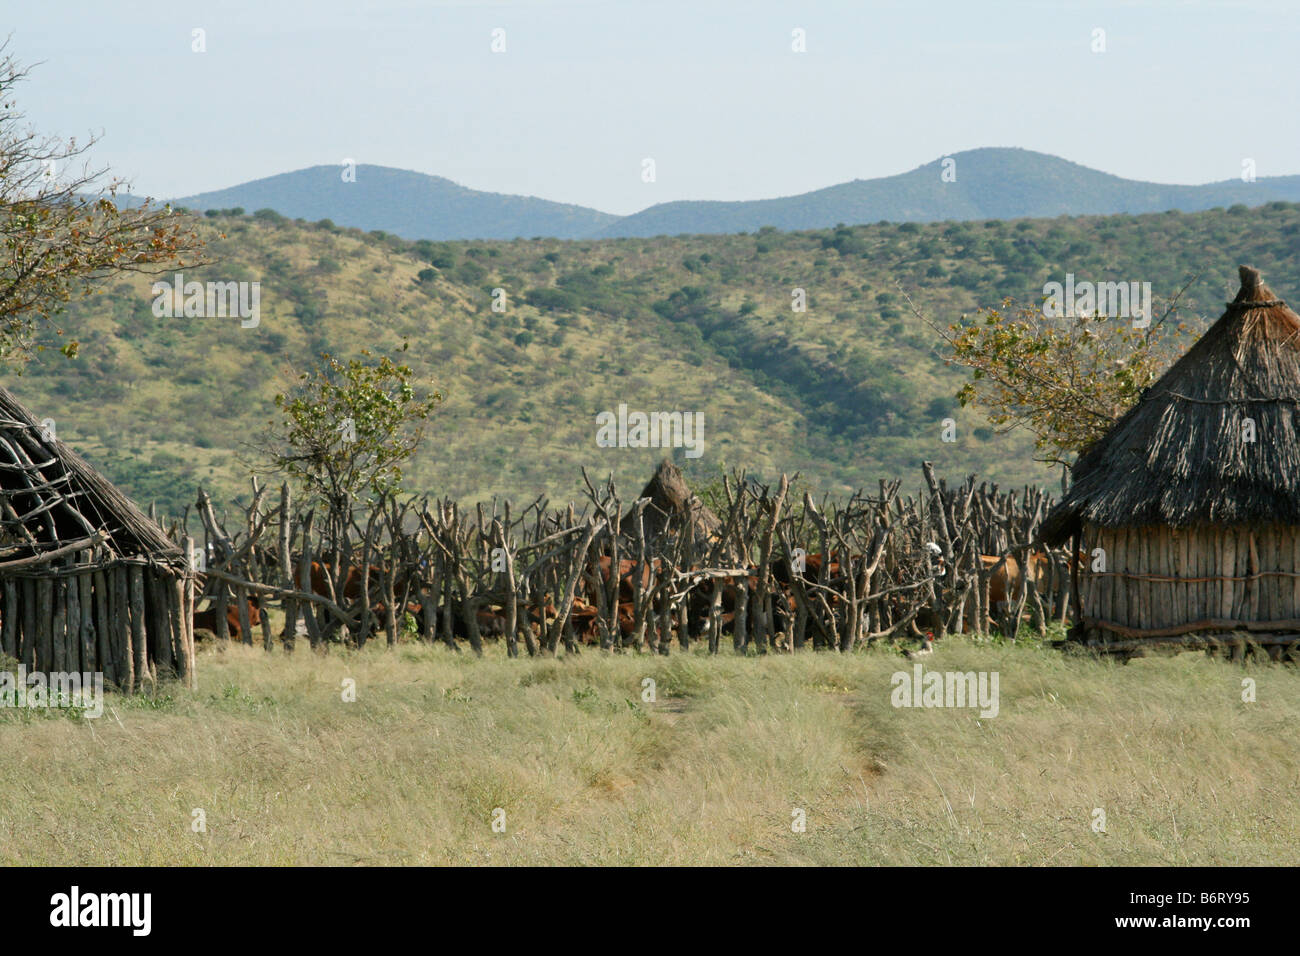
[{"x": 709, "y": 88}]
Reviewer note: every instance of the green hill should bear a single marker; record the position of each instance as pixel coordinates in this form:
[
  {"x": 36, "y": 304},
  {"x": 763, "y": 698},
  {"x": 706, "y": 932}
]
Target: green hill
[{"x": 851, "y": 391}]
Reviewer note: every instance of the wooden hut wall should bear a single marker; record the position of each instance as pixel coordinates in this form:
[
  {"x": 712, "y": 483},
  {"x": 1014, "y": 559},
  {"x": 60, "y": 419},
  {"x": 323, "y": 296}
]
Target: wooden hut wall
[
  {"x": 1168, "y": 582},
  {"x": 129, "y": 621}
]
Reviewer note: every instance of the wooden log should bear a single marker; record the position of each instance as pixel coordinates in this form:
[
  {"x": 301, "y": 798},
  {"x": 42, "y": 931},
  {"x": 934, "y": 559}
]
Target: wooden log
[
  {"x": 158, "y": 622},
  {"x": 429, "y": 601},
  {"x": 245, "y": 618},
  {"x": 289, "y": 604},
  {"x": 89, "y": 648},
  {"x": 9, "y": 621},
  {"x": 512, "y": 596},
  {"x": 1112, "y": 544},
  {"x": 1142, "y": 566},
  {"x": 304, "y": 583},
  {"x": 1204, "y": 561},
  {"x": 58, "y": 633},
  {"x": 31, "y": 629},
  {"x": 1271, "y": 557},
  {"x": 104, "y": 628},
  {"x": 139, "y": 645},
  {"x": 1110, "y": 588},
  {"x": 1185, "y": 611},
  {"x": 1263, "y": 557},
  {"x": 188, "y": 621},
  {"x": 181, "y": 642},
  {"x": 444, "y": 618},
  {"x": 1230, "y": 600},
  {"x": 220, "y": 603},
  {"x": 1280, "y": 552},
  {"x": 683, "y": 626},
  {"x": 1117, "y": 558},
  {"x": 1251, "y": 586},
  {"x": 715, "y": 617},
  {"x": 740, "y": 624},
  {"x": 1164, "y": 562},
  {"x": 1145, "y": 564},
  {"x": 1244, "y": 588},
  {"x": 1293, "y": 533},
  {"x": 123, "y": 645}
]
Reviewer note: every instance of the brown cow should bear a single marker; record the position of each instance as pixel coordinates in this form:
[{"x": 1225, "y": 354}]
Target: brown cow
[
  {"x": 1007, "y": 583},
  {"x": 206, "y": 620},
  {"x": 320, "y": 584},
  {"x": 379, "y": 617}
]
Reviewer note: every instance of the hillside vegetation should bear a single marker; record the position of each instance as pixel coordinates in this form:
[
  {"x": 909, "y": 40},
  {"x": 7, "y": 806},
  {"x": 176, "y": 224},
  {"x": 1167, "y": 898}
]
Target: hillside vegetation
[{"x": 851, "y": 391}]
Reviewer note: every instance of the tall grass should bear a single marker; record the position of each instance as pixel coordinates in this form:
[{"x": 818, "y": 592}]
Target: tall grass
[{"x": 285, "y": 771}]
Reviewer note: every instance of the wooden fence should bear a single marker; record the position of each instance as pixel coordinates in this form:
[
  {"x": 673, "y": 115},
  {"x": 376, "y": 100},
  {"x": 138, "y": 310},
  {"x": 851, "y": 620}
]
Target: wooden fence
[{"x": 543, "y": 577}]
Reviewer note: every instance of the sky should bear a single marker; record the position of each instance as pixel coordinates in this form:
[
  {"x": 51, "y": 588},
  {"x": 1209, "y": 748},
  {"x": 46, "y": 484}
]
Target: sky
[{"x": 711, "y": 90}]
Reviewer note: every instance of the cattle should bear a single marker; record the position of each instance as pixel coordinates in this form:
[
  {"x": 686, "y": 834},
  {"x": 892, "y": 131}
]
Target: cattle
[
  {"x": 701, "y": 601},
  {"x": 583, "y": 617},
  {"x": 626, "y": 570},
  {"x": 379, "y": 617},
  {"x": 206, "y": 620},
  {"x": 323, "y": 581},
  {"x": 1007, "y": 583},
  {"x": 323, "y": 576}
]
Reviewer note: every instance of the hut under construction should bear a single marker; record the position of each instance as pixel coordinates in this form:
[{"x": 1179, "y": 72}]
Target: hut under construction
[
  {"x": 87, "y": 582},
  {"x": 1188, "y": 508}
]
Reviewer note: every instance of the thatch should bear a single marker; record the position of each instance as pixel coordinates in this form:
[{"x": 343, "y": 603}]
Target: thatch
[
  {"x": 50, "y": 496},
  {"x": 1179, "y": 457},
  {"x": 674, "y": 506}
]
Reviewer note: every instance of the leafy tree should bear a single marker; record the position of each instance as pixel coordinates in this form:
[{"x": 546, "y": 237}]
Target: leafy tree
[
  {"x": 348, "y": 428},
  {"x": 1065, "y": 379},
  {"x": 63, "y": 234}
]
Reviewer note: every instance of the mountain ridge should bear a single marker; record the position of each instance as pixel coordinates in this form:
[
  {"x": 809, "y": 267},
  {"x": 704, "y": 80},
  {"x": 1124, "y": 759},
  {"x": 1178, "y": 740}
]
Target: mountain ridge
[{"x": 989, "y": 183}]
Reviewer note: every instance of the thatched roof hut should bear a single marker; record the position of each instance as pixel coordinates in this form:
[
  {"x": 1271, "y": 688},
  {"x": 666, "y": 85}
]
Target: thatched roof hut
[
  {"x": 88, "y": 583},
  {"x": 1189, "y": 506},
  {"x": 674, "y": 506}
]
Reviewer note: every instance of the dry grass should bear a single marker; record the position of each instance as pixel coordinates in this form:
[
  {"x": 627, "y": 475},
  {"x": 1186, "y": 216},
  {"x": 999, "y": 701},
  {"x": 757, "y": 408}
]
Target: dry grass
[{"x": 288, "y": 773}]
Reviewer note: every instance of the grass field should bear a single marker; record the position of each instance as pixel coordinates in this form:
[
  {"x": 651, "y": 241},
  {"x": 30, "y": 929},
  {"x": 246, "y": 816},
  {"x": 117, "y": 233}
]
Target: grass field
[{"x": 711, "y": 772}]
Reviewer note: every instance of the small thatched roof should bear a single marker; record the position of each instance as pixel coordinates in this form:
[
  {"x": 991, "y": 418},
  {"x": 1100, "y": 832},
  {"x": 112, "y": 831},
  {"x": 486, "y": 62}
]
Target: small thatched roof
[
  {"x": 1178, "y": 457},
  {"x": 50, "y": 496},
  {"x": 672, "y": 506}
]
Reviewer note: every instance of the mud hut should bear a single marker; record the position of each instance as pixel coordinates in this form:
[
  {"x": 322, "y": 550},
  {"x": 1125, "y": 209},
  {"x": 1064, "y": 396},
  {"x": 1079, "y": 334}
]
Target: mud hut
[
  {"x": 672, "y": 507},
  {"x": 87, "y": 582},
  {"x": 1188, "y": 508}
]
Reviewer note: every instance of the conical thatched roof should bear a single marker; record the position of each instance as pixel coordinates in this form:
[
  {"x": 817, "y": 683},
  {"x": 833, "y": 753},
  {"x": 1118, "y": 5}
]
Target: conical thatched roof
[
  {"x": 672, "y": 506},
  {"x": 49, "y": 495},
  {"x": 1180, "y": 456}
]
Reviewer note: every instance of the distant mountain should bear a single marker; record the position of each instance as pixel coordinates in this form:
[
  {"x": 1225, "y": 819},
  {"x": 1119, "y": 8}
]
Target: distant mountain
[
  {"x": 408, "y": 204},
  {"x": 992, "y": 183},
  {"x": 989, "y": 184}
]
